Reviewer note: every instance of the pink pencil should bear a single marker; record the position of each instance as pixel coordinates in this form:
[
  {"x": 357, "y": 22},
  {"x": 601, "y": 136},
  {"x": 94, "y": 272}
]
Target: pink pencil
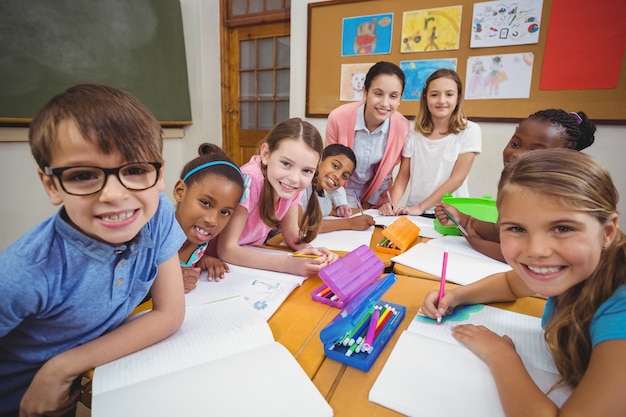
[{"x": 442, "y": 282}]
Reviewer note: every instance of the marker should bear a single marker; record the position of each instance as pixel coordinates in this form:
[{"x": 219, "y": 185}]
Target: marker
[
  {"x": 382, "y": 334},
  {"x": 442, "y": 282},
  {"x": 371, "y": 330},
  {"x": 456, "y": 223},
  {"x": 358, "y": 203}
]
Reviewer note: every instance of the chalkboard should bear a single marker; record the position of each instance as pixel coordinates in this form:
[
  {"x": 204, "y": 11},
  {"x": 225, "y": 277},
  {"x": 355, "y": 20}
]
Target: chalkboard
[
  {"x": 47, "y": 46},
  {"x": 324, "y": 61}
]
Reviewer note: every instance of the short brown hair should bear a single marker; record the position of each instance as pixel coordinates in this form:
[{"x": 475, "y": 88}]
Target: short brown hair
[{"x": 109, "y": 118}]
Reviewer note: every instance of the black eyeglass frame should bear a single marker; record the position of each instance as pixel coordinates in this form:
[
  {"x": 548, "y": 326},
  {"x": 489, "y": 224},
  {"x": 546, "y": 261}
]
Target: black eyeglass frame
[{"x": 57, "y": 172}]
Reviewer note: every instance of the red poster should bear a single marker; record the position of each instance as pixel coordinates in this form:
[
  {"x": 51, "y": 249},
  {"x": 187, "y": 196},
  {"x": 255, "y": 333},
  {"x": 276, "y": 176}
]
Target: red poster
[{"x": 585, "y": 45}]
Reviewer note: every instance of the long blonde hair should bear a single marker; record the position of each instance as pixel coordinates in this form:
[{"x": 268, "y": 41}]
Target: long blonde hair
[
  {"x": 580, "y": 182},
  {"x": 299, "y": 130}
]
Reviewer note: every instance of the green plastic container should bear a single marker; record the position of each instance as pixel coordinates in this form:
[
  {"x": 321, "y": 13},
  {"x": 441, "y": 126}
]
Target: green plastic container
[{"x": 481, "y": 208}]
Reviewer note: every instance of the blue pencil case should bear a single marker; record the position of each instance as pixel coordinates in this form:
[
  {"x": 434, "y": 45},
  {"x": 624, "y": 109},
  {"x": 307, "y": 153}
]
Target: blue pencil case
[
  {"x": 346, "y": 277},
  {"x": 353, "y": 322}
]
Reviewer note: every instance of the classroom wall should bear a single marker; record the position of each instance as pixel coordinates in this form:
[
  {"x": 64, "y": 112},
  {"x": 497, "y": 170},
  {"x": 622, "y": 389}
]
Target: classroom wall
[{"x": 23, "y": 202}]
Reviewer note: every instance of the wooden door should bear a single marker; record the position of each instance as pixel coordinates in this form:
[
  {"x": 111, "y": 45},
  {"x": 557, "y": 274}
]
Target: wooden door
[{"x": 255, "y": 85}]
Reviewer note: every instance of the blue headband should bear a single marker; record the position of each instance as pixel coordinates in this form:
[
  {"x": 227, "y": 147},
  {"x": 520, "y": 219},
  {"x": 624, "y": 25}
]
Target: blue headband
[{"x": 210, "y": 164}]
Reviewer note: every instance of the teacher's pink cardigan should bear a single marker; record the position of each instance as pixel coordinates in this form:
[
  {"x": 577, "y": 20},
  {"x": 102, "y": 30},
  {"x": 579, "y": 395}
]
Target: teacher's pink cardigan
[{"x": 340, "y": 129}]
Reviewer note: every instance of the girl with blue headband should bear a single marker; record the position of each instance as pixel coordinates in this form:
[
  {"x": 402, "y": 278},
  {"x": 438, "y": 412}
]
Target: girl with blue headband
[{"x": 209, "y": 189}]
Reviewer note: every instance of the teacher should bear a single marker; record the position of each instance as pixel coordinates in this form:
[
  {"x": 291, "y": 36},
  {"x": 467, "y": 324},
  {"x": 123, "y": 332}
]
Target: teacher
[{"x": 376, "y": 132}]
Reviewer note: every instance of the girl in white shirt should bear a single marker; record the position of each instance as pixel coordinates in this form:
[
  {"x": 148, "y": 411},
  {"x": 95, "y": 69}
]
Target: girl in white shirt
[{"x": 440, "y": 151}]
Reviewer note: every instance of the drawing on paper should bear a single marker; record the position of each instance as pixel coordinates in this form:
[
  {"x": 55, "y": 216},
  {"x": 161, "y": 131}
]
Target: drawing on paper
[
  {"x": 431, "y": 29},
  {"x": 416, "y": 73},
  {"x": 261, "y": 293},
  {"x": 353, "y": 81},
  {"x": 366, "y": 35},
  {"x": 504, "y": 23},
  {"x": 459, "y": 314},
  {"x": 499, "y": 76}
]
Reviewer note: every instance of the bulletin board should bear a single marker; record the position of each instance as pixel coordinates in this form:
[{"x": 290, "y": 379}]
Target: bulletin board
[{"x": 324, "y": 61}]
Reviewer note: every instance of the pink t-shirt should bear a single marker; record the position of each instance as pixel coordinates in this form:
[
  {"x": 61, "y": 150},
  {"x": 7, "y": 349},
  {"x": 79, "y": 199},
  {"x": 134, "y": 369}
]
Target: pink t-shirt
[{"x": 255, "y": 231}]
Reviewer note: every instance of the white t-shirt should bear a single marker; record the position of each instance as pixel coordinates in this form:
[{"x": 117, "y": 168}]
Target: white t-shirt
[
  {"x": 326, "y": 204},
  {"x": 432, "y": 160}
]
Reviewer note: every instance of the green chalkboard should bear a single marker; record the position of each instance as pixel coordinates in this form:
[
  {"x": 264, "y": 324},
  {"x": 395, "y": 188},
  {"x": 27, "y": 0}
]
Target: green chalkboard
[{"x": 47, "y": 46}]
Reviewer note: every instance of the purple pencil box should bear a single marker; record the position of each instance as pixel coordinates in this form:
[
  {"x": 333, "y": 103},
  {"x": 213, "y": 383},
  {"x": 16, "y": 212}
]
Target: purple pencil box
[{"x": 346, "y": 277}]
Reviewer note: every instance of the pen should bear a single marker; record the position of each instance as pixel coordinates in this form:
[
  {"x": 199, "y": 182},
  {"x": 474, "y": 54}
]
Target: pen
[
  {"x": 389, "y": 197},
  {"x": 456, "y": 223},
  {"x": 358, "y": 203},
  {"x": 304, "y": 255},
  {"x": 442, "y": 282}
]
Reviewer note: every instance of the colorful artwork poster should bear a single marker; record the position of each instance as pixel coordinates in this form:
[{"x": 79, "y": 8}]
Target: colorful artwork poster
[
  {"x": 416, "y": 73},
  {"x": 366, "y": 35},
  {"x": 353, "y": 81},
  {"x": 505, "y": 23},
  {"x": 499, "y": 76},
  {"x": 431, "y": 29}
]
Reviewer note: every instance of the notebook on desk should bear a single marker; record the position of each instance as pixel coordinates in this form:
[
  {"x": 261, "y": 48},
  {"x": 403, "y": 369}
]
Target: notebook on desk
[
  {"x": 222, "y": 361},
  {"x": 428, "y": 366},
  {"x": 264, "y": 291},
  {"x": 465, "y": 264}
]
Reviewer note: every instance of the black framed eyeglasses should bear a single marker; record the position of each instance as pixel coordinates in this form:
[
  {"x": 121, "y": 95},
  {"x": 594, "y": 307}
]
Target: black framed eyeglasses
[{"x": 87, "y": 180}]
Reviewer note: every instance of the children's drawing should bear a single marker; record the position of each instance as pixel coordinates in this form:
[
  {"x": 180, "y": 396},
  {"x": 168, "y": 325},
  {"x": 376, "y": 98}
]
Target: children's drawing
[
  {"x": 476, "y": 85},
  {"x": 461, "y": 313},
  {"x": 504, "y": 23},
  {"x": 431, "y": 29},
  {"x": 353, "y": 81},
  {"x": 416, "y": 73},
  {"x": 366, "y": 35},
  {"x": 499, "y": 76}
]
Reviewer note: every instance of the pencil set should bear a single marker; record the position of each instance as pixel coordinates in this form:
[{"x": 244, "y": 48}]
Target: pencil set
[
  {"x": 346, "y": 277},
  {"x": 358, "y": 334},
  {"x": 398, "y": 236}
]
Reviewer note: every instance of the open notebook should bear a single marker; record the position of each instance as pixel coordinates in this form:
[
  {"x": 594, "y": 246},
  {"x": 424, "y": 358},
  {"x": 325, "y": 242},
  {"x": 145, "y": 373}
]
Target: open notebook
[
  {"x": 465, "y": 264},
  {"x": 264, "y": 291},
  {"x": 222, "y": 361},
  {"x": 428, "y": 367}
]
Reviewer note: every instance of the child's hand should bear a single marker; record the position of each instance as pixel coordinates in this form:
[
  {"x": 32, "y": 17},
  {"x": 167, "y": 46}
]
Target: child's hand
[
  {"x": 343, "y": 211},
  {"x": 412, "y": 211},
  {"x": 308, "y": 266},
  {"x": 386, "y": 210},
  {"x": 433, "y": 310},
  {"x": 49, "y": 394},
  {"x": 440, "y": 214},
  {"x": 214, "y": 267},
  {"x": 363, "y": 222},
  {"x": 486, "y": 344},
  {"x": 190, "y": 278}
]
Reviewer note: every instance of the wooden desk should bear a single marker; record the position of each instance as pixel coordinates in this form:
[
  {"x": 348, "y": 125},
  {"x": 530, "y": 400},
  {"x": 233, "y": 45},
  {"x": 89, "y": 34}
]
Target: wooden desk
[{"x": 346, "y": 389}]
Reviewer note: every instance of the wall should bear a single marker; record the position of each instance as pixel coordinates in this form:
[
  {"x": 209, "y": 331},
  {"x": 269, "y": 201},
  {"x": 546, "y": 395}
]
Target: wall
[{"x": 24, "y": 203}]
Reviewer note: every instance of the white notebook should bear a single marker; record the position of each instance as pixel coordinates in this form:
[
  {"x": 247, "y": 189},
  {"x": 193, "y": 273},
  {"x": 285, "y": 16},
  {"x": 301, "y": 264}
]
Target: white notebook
[
  {"x": 264, "y": 291},
  {"x": 222, "y": 361},
  {"x": 465, "y": 264},
  {"x": 428, "y": 367}
]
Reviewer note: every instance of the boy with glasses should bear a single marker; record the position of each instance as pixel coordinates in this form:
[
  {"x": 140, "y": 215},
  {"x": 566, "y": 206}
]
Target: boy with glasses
[{"x": 69, "y": 283}]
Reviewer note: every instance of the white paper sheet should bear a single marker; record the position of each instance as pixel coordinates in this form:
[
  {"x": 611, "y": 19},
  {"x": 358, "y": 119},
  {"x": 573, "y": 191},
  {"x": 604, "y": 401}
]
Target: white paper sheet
[
  {"x": 428, "y": 366},
  {"x": 262, "y": 290},
  {"x": 426, "y": 225},
  {"x": 210, "y": 331},
  {"x": 264, "y": 382},
  {"x": 462, "y": 268}
]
